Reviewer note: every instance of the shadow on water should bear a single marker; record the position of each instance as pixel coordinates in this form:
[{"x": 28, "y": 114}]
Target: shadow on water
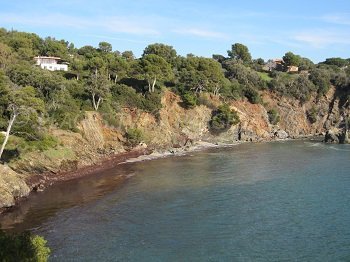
[{"x": 40, "y": 206}]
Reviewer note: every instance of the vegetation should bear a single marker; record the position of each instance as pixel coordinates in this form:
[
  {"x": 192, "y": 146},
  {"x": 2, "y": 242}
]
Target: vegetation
[
  {"x": 223, "y": 118},
  {"x": 274, "y": 117},
  {"x": 312, "y": 115},
  {"x": 106, "y": 80},
  {"x": 23, "y": 247},
  {"x": 134, "y": 136}
]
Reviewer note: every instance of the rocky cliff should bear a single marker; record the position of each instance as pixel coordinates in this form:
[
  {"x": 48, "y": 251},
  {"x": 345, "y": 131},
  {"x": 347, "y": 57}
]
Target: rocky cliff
[{"x": 173, "y": 127}]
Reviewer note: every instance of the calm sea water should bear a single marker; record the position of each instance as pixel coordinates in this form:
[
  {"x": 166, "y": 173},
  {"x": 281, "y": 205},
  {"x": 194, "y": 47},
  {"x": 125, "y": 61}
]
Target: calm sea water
[{"x": 283, "y": 201}]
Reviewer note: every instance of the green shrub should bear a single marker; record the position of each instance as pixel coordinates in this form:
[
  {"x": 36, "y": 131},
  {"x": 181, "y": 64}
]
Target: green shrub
[
  {"x": 206, "y": 100},
  {"x": 134, "y": 136},
  {"x": 23, "y": 247},
  {"x": 46, "y": 142},
  {"x": 252, "y": 95},
  {"x": 189, "y": 100},
  {"x": 223, "y": 118},
  {"x": 152, "y": 103},
  {"x": 274, "y": 117},
  {"x": 109, "y": 114},
  {"x": 126, "y": 96},
  {"x": 312, "y": 115}
]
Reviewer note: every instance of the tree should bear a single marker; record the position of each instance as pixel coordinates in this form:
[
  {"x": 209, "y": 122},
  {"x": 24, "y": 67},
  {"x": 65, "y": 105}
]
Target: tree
[
  {"x": 337, "y": 61},
  {"x": 105, "y": 47},
  {"x": 165, "y": 51},
  {"x": 128, "y": 55},
  {"x": 321, "y": 79},
  {"x": 201, "y": 74},
  {"x": 20, "y": 101},
  {"x": 291, "y": 59},
  {"x": 23, "y": 247},
  {"x": 155, "y": 68},
  {"x": 240, "y": 52},
  {"x": 99, "y": 88}
]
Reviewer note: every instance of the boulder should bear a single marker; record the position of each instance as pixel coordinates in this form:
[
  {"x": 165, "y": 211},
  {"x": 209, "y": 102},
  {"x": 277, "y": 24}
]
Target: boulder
[
  {"x": 336, "y": 136},
  {"x": 12, "y": 187},
  {"x": 281, "y": 134}
]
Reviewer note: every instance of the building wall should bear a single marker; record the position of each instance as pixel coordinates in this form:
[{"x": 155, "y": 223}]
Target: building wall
[{"x": 54, "y": 67}]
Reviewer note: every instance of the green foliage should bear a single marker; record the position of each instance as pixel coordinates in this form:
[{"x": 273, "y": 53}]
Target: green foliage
[
  {"x": 265, "y": 77},
  {"x": 243, "y": 74},
  {"x": 125, "y": 96},
  {"x": 297, "y": 86},
  {"x": 199, "y": 74},
  {"x": 105, "y": 47},
  {"x": 240, "y": 52},
  {"x": 151, "y": 103},
  {"x": 252, "y": 95},
  {"x": 312, "y": 115},
  {"x": 223, "y": 118},
  {"x": 155, "y": 68},
  {"x": 336, "y": 61},
  {"x": 109, "y": 114},
  {"x": 23, "y": 247},
  {"x": 274, "y": 117},
  {"x": 291, "y": 59},
  {"x": 321, "y": 79},
  {"x": 189, "y": 99},
  {"x": 134, "y": 136},
  {"x": 64, "y": 110},
  {"x": 168, "y": 53}
]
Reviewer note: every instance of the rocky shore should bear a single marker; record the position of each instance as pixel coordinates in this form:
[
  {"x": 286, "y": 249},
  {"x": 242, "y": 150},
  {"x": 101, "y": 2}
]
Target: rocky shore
[{"x": 175, "y": 131}]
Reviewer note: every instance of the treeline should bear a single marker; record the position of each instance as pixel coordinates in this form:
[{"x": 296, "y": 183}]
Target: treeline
[{"x": 106, "y": 80}]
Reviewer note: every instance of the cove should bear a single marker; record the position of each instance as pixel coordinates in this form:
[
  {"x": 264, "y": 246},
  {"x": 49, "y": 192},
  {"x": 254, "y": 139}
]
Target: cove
[{"x": 252, "y": 202}]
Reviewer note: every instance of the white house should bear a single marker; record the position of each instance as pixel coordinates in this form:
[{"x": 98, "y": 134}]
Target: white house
[{"x": 51, "y": 63}]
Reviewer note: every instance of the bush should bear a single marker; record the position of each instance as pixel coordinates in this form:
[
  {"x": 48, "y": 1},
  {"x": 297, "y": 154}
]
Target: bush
[
  {"x": 134, "y": 136},
  {"x": 252, "y": 95},
  {"x": 274, "y": 117},
  {"x": 206, "y": 100},
  {"x": 223, "y": 118},
  {"x": 312, "y": 115},
  {"x": 152, "y": 103},
  {"x": 109, "y": 114},
  {"x": 189, "y": 100},
  {"x": 127, "y": 96},
  {"x": 23, "y": 247}
]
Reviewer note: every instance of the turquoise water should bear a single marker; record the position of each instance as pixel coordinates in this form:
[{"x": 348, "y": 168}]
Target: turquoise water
[{"x": 285, "y": 201}]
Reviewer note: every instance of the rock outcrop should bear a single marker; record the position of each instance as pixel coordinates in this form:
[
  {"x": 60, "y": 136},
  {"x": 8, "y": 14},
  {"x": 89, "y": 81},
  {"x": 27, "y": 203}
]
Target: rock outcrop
[
  {"x": 173, "y": 127},
  {"x": 12, "y": 187}
]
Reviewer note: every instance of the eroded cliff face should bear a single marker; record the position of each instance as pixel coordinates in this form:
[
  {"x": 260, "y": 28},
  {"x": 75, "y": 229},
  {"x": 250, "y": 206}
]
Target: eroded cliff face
[{"x": 173, "y": 127}]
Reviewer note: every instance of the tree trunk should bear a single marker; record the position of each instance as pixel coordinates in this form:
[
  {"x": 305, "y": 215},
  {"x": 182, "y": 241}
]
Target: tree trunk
[
  {"x": 94, "y": 101},
  {"x": 149, "y": 86},
  {"x": 7, "y": 135},
  {"x": 115, "y": 79},
  {"x": 153, "y": 84},
  {"x": 98, "y": 102}
]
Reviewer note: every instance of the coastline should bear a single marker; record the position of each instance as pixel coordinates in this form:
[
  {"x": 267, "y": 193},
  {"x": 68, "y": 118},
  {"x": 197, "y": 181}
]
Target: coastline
[{"x": 45, "y": 181}]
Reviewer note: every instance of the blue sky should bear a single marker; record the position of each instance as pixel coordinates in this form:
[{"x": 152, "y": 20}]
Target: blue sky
[{"x": 313, "y": 29}]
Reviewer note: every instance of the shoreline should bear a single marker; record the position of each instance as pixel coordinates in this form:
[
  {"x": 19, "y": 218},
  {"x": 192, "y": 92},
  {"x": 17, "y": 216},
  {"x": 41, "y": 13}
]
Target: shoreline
[
  {"x": 45, "y": 181},
  {"x": 41, "y": 182}
]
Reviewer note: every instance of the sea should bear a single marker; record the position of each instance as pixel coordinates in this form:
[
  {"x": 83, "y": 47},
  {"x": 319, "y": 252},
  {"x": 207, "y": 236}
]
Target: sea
[{"x": 276, "y": 201}]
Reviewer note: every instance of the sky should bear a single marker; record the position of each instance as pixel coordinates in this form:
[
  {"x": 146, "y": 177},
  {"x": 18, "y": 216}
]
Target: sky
[{"x": 314, "y": 29}]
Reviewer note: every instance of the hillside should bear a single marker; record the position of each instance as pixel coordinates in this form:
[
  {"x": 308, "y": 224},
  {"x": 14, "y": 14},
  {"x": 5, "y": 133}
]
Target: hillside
[{"x": 110, "y": 102}]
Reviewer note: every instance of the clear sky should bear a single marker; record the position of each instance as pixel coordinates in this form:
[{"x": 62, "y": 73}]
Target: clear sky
[{"x": 270, "y": 28}]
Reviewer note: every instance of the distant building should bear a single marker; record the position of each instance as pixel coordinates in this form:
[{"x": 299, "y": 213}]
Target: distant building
[
  {"x": 292, "y": 69},
  {"x": 51, "y": 63},
  {"x": 275, "y": 64}
]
